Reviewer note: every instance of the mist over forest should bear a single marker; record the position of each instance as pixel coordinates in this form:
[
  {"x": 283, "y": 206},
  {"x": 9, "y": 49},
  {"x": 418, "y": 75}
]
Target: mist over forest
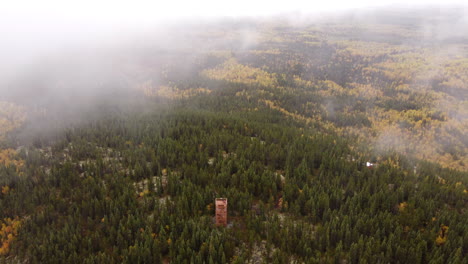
[{"x": 337, "y": 137}]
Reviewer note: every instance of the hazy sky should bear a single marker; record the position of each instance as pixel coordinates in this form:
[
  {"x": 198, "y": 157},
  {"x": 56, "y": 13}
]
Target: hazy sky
[
  {"x": 107, "y": 12},
  {"x": 68, "y": 17},
  {"x": 18, "y": 17},
  {"x": 30, "y": 27}
]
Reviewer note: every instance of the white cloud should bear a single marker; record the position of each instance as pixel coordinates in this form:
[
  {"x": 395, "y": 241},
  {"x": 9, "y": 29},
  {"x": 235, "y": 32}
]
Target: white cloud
[
  {"x": 126, "y": 11},
  {"x": 29, "y": 26}
]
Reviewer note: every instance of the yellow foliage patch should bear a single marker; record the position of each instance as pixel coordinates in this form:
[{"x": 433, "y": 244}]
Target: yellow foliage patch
[
  {"x": 441, "y": 180},
  {"x": 368, "y": 49},
  {"x": 295, "y": 116},
  {"x": 8, "y": 232},
  {"x": 5, "y": 189},
  {"x": 233, "y": 71},
  {"x": 143, "y": 193},
  {"x": 8, "y": 158},
  {"x": 12, "y": 116},
  {"x": 402, "y": 206},
  {"x": 153, "y": 90},
  {"x": 442, "y": 237}
]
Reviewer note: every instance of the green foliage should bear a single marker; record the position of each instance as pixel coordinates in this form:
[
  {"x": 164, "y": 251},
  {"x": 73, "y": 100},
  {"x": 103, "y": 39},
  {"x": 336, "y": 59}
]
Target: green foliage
[{"x": 277, "y": 131}]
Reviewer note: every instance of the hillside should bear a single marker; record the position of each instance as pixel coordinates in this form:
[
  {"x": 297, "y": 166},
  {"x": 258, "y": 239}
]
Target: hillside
[{"x": 280, "y": 117}]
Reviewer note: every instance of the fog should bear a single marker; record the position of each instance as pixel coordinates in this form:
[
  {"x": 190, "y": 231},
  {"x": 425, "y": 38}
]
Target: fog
[
  {"x": 38, "y": 30},
  {"x": 64, "y": 58},
  {"x": 31, "y": 29},
  {"x": 78, "y": 49}
]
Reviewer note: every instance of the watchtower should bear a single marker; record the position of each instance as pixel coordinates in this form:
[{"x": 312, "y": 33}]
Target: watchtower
[{"x": 221, "y": 211}]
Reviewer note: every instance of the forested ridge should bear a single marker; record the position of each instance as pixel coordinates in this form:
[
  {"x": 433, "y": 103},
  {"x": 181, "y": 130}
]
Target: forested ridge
[{"x": 283, "y": 128}]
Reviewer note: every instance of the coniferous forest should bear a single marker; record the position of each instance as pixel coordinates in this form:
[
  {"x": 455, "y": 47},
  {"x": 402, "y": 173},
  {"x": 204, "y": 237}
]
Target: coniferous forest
[{"x": 337, "y": 141}]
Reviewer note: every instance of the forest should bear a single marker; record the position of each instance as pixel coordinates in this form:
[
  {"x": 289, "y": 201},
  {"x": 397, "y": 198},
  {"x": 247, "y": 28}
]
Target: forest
[{"x": 282, "y": 119}]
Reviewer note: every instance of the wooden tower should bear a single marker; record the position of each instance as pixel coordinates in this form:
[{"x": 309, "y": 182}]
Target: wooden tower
[{"x": 221, "y": 211}]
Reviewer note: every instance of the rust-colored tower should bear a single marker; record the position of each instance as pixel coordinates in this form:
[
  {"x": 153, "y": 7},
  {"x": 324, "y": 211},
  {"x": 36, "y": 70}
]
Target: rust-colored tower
[{"x": 221, "y": 211}]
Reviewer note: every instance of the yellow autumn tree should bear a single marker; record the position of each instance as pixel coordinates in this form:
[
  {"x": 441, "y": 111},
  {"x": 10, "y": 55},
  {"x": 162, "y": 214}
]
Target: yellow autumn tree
[
  {"x": 442, "y": 237},
  {"x": 8, "y": 232}
]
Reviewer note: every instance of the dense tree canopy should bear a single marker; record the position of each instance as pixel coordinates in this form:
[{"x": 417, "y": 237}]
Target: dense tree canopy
[{"x": 283, "y": 129}]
